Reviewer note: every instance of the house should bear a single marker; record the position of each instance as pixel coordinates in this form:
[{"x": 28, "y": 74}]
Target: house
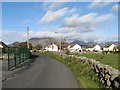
[
  {"x": 69, "y": 46},
  {"x": 89, "y": 49},
  {"x": 76, "y": 48},
  {"x": 105, "y": 49},
  {"x": 1, "y": 46},
  {"x": 112, "y": 47},
  {"x": 96, "y": 48},
  {"x": 52, "y": 47}
]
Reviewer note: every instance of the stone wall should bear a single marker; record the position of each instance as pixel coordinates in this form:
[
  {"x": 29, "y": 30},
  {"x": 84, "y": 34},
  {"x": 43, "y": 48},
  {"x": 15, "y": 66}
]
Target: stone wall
[{"x": 107, "y": 75}]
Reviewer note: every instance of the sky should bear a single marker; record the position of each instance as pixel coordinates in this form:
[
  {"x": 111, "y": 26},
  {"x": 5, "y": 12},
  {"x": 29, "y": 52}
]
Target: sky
[{"x": 84, "y": 21}]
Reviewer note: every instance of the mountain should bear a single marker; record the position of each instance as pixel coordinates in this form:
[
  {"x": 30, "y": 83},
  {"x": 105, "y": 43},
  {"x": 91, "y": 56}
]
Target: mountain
[
  {"x": 14, "y": 44},
  {"x": 49, "y": 40},
  {"x": 84, "y": 44},
  {"x": 92, "y": 44},
  {"x": 107, "y": 44},
  {"x": 79, "y": 42},
  {"x": 44, "y": 41}
]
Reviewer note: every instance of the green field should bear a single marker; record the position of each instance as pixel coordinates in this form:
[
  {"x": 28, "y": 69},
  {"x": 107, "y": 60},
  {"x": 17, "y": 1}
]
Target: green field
[
  {"x": 110, "y": 59},
  {"x": 84, "y": 73}
]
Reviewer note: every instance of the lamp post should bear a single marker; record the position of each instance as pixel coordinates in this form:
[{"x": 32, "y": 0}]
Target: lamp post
[
  {"x": 60, "y": 43},
  {"x": 28, "y": 38}
]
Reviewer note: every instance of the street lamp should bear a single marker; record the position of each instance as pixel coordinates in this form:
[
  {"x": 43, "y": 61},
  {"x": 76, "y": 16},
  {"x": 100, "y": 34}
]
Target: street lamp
[
  {"x": 28, "y": 38},
  {"x": 60, "y": 43}
]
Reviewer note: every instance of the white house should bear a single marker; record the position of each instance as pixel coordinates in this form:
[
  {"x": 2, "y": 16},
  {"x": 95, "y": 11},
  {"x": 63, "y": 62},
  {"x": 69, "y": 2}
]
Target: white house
[
  {"x": 52, "y": 47},
  {"x": 1, "y": 46},
  {"x": 112, "y": 47},
  {"x": 89, "y": 49},
  {"x": 105, "y": 49},
  {"x": 96, "y": 48},
  {"x": 69, "y": 46},
  {"x": 76, "y": 48}
]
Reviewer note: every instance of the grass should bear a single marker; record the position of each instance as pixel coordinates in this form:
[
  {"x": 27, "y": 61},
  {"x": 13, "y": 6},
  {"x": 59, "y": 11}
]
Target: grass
[
  {"x": 110, "y": 59},
  {"x": 84, "y": 73}
]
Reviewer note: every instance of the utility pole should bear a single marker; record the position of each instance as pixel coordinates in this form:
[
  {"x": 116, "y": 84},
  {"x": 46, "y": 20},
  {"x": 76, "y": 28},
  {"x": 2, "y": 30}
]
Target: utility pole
[
  {"x": 28, "y": 38},
  {"x": 60, "y": 43}
]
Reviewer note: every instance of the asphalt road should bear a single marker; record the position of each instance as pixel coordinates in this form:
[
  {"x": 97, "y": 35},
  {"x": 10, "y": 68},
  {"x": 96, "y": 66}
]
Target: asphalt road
[{"x": 43, "y": 73}]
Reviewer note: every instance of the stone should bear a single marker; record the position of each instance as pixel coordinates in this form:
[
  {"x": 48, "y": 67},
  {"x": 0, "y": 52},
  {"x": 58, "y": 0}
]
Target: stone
[
  {"x": 102, "y": 73},
  {"x": 107, "y": 77},
  {"x": 114, "y": 72},
  {"x": 96, "y": 70},
  {"x": 108, "y": 82},
  {"x": 116, "y": 84},
  {"x": 107, "y": 87},
  {"x": 102, "y": 81},
  {"x": 113, "y": 77},
  {"x": 119, "y": 77},
  {"x": 89, "y": 62}
]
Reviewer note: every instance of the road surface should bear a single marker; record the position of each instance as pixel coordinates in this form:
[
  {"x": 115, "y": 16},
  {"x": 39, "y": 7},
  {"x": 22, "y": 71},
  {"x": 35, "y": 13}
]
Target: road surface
[{"x": 43, "y": 73}]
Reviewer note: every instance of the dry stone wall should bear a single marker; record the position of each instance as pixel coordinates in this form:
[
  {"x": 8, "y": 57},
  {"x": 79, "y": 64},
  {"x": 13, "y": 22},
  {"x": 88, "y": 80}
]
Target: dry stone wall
[{"x": 107, "y": 75}]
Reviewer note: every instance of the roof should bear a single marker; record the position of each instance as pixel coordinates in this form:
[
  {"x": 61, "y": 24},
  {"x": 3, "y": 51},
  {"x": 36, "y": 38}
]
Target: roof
[
  {"x": 3, "y": 44},
  {"x": 76, "y": 46}
]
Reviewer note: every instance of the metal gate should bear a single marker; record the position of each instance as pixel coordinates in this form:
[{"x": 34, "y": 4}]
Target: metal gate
[{"x": 16, "y": 56}]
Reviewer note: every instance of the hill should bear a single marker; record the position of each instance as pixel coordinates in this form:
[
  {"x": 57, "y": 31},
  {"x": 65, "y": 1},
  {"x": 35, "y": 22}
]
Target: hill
[{"x": 44, "y": 41}]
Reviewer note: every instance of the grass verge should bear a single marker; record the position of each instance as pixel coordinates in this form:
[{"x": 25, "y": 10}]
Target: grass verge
[
  {"x": 109, "y": 59},
  {"x": 83, "y": 72}
]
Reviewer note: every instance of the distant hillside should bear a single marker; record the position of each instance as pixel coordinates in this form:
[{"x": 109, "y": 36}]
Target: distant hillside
[
  {"x": 14, "y": 44},
  {"x": 49, "y": 40},
  {"x": 91, "y": 44},
  {"x": 79, "y": 42},
  {"x": 44, "y": 41},
  {"x": 84, "y": 44}
]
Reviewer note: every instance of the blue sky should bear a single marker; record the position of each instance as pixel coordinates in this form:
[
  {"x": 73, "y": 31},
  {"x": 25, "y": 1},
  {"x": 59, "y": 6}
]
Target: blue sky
[{"x": 86, "y": 21}]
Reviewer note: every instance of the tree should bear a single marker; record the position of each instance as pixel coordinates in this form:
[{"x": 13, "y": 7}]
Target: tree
[
  {"x": 38, "y": 47},
  {"x": 23, "y": 45}
]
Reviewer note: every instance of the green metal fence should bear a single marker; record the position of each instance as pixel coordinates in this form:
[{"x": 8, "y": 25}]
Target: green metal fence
[{"x": 16, "y": 56}]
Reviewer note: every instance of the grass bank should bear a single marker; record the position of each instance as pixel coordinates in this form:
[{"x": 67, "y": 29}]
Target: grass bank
[
  {"x": 110, "y": 59},
  {"x": 84, "y": 73}
]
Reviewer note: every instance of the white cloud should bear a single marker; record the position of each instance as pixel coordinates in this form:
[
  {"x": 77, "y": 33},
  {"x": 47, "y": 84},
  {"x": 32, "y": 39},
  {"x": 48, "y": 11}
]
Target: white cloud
[
  {"x": 115, "y": 8},
  {"x": 89, "y": 37},
  {"x": 25, "y": 22},
  {"x": 52, "y": 5},
  {"x": 65, "y": 29},
  {"x": 53, "y": 15},
  {"x": 86, "y": 23},
  {"x": 94, "y": 5},
  {"x": 10, "y": 36},
  {"x": 42, "y": 34}
]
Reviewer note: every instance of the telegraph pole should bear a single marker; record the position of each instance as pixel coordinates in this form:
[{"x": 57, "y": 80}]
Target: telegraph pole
[
  {"x": 28, "y": 38},
  {"x": 60, "y": 43}
]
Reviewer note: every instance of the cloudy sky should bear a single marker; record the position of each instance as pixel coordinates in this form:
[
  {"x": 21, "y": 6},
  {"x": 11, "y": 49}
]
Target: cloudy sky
[{"x": 85, "y": 21}]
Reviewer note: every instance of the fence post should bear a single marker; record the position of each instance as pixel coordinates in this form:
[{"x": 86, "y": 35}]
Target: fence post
[
  {"x": 15, "y": 57},
  {"x": 22, "y": 55},
  {"x": 19, "y": 52}
]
